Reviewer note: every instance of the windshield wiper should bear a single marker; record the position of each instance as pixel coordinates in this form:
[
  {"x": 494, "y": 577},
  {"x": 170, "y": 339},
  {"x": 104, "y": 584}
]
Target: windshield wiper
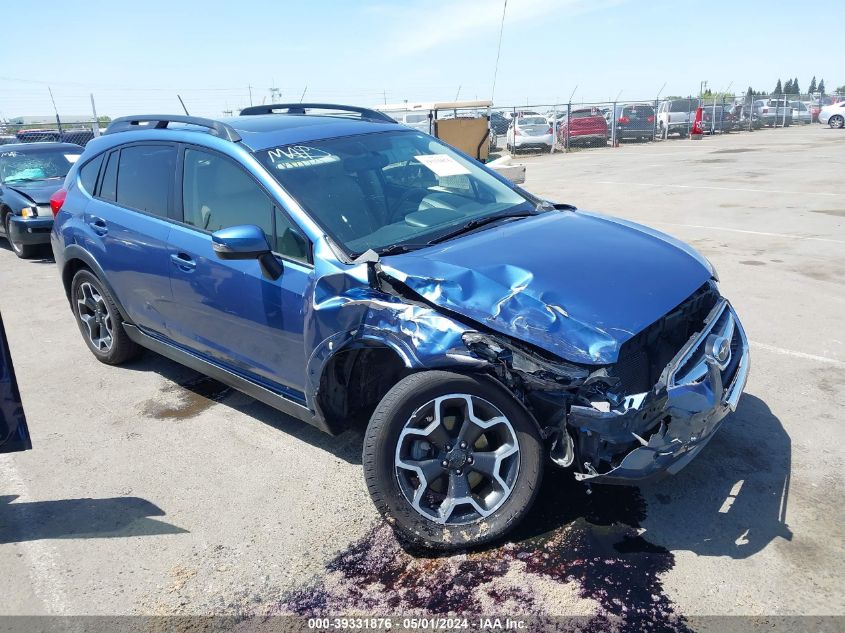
[
  {"x": 13, "y": 180},
  {"x": 407, "y": 247},
  {"x": 479, "y": 222},
  {"x": 396, "y": 249}
]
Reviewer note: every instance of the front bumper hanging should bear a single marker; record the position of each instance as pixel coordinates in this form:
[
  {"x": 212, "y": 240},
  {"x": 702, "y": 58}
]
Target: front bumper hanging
[{"x": 672, "y": 423}]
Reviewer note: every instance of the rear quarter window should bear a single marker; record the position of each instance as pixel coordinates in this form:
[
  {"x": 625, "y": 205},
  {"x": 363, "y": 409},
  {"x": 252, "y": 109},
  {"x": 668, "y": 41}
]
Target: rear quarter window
[{"x": 88, "y": 174}]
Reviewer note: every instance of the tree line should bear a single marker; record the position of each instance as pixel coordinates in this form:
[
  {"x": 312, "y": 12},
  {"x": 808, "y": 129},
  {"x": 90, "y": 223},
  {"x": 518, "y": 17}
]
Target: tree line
[{"x": 792, "y": 87}]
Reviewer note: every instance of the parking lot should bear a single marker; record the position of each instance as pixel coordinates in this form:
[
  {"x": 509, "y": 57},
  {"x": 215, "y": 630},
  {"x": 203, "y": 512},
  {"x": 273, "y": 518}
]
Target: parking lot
[{"x": 152, "y": 490}]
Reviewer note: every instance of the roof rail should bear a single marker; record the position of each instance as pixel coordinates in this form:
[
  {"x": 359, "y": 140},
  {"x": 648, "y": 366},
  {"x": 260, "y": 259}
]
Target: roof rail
[
  {"x": 161, "y": 121},
  {"x": 300, "y": 108}
]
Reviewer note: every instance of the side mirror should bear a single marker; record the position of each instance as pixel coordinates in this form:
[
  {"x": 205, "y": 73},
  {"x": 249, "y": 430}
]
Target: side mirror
[{"x": 246, "y": 241}]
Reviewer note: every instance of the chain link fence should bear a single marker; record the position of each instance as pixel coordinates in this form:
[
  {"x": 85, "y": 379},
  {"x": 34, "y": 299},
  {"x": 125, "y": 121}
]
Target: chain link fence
[
  {"x": 77, "y": 132},
  {"x": 574, "y": 126},
  {"x": 545, "y": 127}
]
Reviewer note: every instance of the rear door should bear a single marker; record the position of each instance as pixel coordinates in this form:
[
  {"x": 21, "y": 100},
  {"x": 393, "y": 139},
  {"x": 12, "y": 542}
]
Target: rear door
[
  {"x": 14, "y": 435},
  {"x": 127, "y": 225},
  {"x": 228, "y": 310}
]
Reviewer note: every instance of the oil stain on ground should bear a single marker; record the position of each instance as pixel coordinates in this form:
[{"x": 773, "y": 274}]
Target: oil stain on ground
[
  {"x": 186, "y": 399},
  {"x": 576, "y": 554}
]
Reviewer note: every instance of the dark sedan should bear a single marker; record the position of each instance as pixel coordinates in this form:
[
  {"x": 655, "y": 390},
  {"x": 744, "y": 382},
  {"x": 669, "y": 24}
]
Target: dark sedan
[
  {"x": 30, "y": 173},
  {"x": 716, "y": 119}
]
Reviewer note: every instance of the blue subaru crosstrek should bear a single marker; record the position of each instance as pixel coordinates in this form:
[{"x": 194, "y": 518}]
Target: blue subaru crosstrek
[{"x": 345, "y": 269}]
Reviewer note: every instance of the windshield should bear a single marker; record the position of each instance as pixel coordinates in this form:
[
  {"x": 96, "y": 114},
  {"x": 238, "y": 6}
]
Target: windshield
[
  {"x": 32, "y": 165},
  {"x": 683, "y": 105},
  {"x": 373, "y": 191}
]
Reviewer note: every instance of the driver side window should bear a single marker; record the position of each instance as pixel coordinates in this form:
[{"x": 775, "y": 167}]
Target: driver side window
[{"x": 217, "y": 193}]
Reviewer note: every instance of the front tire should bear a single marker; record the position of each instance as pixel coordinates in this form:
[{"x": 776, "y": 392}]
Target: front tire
[
  {"x": 837, "y": 122},
  {"x": 100, "y": 321},
  {"x": 451, "y": 461},
  {"x": 24, "y": 251}
]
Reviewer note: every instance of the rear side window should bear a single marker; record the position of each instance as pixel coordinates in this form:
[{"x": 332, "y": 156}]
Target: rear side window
[
  {"x": 108, "y": 188},
  {"x": 145, "y": 177},
  {"x": 88, "y": 174}
]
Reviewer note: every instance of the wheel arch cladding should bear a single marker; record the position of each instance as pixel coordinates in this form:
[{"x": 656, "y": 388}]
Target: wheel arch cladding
[
  {"x": 76, "y": 259},
  {"x": 361, "y": 340}
]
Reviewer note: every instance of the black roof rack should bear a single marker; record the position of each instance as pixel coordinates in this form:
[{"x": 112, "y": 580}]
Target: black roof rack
[
  {"x": 161, "y": 121},
  {"x": 300, "y": 108}
]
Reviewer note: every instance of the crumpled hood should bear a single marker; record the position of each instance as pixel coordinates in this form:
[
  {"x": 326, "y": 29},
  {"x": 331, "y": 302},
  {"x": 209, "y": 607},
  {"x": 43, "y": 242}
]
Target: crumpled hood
[
  {"x": 575, "y": 284},
  {"x": 38, "y": 192}
]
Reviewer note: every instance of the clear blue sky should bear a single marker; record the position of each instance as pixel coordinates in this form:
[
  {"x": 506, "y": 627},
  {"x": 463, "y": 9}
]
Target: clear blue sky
[{"x": 136, "y": 59}]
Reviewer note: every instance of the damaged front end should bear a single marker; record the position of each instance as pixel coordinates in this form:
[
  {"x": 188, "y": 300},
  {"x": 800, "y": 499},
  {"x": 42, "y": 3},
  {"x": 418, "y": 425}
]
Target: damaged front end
[{"x": 606, "y": 420}]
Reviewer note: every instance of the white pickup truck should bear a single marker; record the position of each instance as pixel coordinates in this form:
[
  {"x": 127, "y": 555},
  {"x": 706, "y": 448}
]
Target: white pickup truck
[{"x": 675, "y": 116}]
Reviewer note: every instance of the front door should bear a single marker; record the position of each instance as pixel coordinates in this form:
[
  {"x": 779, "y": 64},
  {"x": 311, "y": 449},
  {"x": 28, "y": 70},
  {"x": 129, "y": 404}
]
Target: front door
[{"x": 229, "y": 310}]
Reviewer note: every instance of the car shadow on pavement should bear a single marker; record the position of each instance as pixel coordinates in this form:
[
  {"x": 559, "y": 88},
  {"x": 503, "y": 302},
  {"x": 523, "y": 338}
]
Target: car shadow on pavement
[
  {"x": 44, "y": 255},
  {"x": 732, "y": 499},
  {"x": 80, "y": 518},
  {"x": 196, "y": 393}
]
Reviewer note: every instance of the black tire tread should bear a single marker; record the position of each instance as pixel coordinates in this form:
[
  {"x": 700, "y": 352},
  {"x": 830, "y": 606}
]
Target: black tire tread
[
  {"x": 123, "y": 348},
  {"x": 381, "y": 421}
]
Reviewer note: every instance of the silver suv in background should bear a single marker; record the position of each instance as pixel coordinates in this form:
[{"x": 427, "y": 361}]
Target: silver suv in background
[
  {"x": 775, "y": 112},
  {"x": 675, "y": 116}
]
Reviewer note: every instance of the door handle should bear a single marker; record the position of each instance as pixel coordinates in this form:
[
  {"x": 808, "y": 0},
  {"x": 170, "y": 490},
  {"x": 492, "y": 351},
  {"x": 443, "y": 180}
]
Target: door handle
[
  {"x": 183, "y": 261},
  {"x": 98, "y": 225}
]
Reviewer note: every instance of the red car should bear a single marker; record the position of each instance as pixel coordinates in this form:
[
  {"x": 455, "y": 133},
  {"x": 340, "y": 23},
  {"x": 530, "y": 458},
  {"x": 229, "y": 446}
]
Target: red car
[{"x": 587, "y": 126}]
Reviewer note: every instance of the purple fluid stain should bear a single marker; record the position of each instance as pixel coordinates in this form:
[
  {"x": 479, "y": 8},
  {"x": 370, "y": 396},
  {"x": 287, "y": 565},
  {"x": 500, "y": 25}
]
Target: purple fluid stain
[{"x": 569, "y": 537}]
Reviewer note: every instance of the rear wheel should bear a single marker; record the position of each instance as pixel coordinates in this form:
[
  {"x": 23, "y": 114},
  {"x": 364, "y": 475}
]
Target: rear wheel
[
  {"x": 451, "y": 461},
  {"x": 836, "y": 121},
  {"x": 100, "y": 321},
  {"x": 24, "y": 251}
]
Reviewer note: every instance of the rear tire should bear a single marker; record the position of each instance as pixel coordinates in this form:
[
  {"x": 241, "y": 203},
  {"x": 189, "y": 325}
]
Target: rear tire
[
  {"x": 472, "y": 493},
  {"x": 100, "y": 321},
  {"x": 837, "y": 122}
]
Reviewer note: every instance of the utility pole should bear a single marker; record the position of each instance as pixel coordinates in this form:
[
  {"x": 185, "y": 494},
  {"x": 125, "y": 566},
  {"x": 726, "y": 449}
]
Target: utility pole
[
  {"x": 95, "y": 127},
  {"x": 55, "y": 109},
  {"x": 275, "y": 93},
  {"x": 250, "y": 94}
]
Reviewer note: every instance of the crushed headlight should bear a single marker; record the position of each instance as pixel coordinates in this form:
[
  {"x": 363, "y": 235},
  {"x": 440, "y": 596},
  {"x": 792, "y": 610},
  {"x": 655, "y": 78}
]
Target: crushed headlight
[{"x": 494, "y": 348}]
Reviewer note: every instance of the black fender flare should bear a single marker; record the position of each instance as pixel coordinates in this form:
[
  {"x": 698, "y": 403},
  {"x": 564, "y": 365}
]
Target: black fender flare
[{"x": 77, "y": 252}]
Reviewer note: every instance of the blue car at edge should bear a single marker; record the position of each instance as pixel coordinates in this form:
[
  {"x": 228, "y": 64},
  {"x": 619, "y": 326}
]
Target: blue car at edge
[{"x": 352, "y": 272}]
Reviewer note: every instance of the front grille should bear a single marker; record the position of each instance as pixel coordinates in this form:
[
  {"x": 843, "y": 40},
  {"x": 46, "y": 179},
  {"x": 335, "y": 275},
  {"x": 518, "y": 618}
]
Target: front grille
[
  {"x": 644, "y": 357},
  {"x": 694, "y": 364}
]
